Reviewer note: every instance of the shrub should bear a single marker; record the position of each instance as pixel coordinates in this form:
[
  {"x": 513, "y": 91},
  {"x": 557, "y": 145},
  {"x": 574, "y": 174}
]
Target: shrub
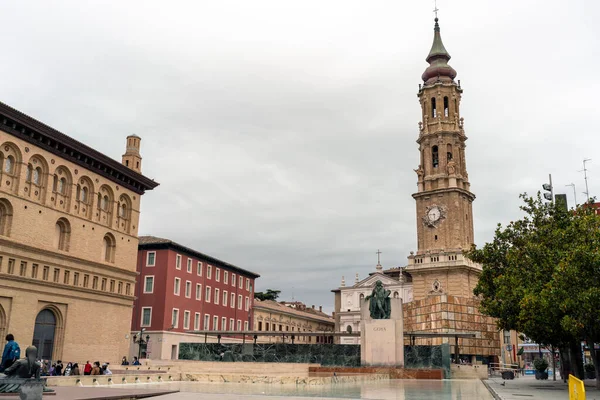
[
  {"x": 540, "y": 364},
  {"x": 589, "y": 368}
]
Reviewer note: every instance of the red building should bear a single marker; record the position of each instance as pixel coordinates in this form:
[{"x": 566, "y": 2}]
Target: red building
[{"x": 180, "y": 290}]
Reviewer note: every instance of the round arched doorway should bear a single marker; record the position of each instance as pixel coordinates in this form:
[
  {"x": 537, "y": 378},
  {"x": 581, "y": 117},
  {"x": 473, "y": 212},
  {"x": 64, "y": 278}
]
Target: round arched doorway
[{"x": 43, "y": 334}]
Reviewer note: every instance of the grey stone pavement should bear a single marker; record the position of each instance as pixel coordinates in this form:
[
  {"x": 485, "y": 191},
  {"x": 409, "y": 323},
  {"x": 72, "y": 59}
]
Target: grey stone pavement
[{"x": 527, "y": 387}]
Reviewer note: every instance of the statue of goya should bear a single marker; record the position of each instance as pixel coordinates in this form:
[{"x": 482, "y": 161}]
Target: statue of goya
[{"x": 379, "y": 302}]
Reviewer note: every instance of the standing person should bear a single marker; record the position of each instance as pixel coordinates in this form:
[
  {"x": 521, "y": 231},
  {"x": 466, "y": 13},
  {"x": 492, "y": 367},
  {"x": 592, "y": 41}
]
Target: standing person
[
  {"x": 75, "y": 370},
  {"x": 11, "y": 353},
  {"x": 59, "y": 368},
  {"x": 68, "y": 369},
  {"x": 96, "y": 368},
  {"x": 87, "y": 369}
]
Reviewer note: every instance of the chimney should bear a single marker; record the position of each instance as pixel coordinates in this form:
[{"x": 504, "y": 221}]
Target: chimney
[{"x": 320, "y": 308}]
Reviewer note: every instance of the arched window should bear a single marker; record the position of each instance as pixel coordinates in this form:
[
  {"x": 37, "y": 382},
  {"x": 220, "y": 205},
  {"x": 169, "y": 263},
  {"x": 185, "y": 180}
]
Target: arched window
[
  {"x": 446, "y": 105},
  {"x": 29, "y": 173},
  {"x": 55, "y": 183},
  {"x": 9, "y": 165},
  {"x": 62, "y": 234},
  {"x": 435, "y": 156},
  {"x": 448, "y": 152},
  {"x": 37, "y": 174},
  {"x": 361, "y": 297},
  {"x": 62, "y": 186},
  {"x": 6, "y": 212},
  {"x": 104, "y": 205},
  {"x": 396, "y": 295},
  {"x": 349, "y": 329},
  {"x": 108, "y": 248},
  {"x": 123, "y": 211},
  {"x": 83, "y": 196},
  {"x": 433, "y": 108}
]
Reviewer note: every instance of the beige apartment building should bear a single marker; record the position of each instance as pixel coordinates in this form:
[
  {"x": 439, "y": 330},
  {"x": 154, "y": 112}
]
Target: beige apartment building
[
  {"x": 290, "y": 319},
  {"x": 68, "y": 241}
]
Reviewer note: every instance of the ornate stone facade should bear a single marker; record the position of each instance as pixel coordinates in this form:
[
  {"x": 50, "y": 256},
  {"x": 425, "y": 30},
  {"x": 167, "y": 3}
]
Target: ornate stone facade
[{"x": 68, "y": 242}]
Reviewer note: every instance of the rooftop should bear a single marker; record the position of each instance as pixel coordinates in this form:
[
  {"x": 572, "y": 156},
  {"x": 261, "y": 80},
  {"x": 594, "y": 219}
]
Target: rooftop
[
  {"x": 43, "y": 136},
  {"x": 278, "y": 307},
  {"x": 153, "y": 242}
]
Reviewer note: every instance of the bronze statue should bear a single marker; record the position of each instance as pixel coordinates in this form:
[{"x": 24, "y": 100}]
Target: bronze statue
[
  {"x": 23, "y": 377},
  {"x": 27, "y": 367},
  {"x": 379, "y": 302}
]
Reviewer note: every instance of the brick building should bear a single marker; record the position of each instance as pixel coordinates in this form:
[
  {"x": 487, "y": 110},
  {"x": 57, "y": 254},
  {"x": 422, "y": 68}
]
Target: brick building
[
  {"x": 68, "y": 241},
  {"x": 181, "y": 290}
]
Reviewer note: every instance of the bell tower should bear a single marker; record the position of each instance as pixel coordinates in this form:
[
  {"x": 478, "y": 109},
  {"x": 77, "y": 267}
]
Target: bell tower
[{"x": 443, "y": 199}]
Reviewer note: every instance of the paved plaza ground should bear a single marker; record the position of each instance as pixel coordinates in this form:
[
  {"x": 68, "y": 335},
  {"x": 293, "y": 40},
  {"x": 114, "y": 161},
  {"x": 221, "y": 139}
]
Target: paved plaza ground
[
  {"x": 381, "y": 390},
  {"x": 528, "y": 387}
]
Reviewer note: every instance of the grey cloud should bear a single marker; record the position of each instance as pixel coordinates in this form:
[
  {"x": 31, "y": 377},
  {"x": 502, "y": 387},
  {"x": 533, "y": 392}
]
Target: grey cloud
[{"x": 283, "y": 134}]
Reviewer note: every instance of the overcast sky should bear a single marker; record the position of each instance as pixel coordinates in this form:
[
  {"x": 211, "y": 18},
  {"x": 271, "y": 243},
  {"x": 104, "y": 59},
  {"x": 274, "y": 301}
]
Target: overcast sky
[{"x": 283, "y": 132}]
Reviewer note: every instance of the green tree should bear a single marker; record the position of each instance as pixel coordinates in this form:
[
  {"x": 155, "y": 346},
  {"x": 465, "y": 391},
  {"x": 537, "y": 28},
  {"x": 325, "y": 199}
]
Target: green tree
[
  {"x": 541, "y": 277},
  {"x": 269, "y": 294}
]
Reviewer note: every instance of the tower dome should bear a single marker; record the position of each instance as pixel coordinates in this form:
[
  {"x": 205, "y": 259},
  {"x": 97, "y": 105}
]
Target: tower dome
[{"x": 438, "y": 58}]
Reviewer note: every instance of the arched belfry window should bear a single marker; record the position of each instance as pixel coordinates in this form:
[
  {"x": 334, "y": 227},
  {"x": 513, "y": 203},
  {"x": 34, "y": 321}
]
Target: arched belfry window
[
  {"x": 449, "y": 152},
  {"x": 435, "y": 156},
  {"x": 446, "y": 105},
  {"x": 433, "y": 108}
]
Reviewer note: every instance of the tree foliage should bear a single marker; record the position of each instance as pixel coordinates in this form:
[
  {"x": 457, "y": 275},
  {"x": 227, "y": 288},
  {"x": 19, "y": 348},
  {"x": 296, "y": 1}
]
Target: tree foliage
[
  {"x": 269, "y": 294},
  {"x": 541, "y": 274}
]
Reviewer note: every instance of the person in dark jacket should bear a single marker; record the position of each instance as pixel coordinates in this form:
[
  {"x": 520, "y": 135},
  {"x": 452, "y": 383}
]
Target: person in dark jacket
[{"x": 11, "y": 353}]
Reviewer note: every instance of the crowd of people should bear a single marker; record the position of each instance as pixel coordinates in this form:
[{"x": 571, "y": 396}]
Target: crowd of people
[{"x": 12, "y": 352}]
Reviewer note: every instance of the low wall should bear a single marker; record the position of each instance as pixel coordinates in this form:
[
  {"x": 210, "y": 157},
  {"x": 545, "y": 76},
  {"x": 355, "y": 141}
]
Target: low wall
[
  {"x": 324, "y": 354},
  {"x": 103, "y": 380},
  {"x": 393, "y": 373},
  {"x": 339, "y": 355},
  {"x": 283, "y": 380}
]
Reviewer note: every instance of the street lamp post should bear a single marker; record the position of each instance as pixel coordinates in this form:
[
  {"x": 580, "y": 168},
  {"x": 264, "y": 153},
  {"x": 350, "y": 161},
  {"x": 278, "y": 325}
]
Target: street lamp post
[{"x": 140, "y": 341}]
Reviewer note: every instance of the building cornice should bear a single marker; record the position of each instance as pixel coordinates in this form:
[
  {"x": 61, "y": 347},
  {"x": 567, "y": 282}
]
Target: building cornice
[
  {"x": 170, "y": 245},
  {"x": 45, "y": 137}
]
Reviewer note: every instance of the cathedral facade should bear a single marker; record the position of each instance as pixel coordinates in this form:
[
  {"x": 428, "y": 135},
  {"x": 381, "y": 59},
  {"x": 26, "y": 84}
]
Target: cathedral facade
[{"x": 440, "y": 277}]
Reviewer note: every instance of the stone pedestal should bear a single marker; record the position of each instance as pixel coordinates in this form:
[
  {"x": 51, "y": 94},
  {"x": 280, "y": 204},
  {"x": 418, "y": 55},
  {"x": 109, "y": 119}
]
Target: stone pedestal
[{"x": 382, "y": 340}]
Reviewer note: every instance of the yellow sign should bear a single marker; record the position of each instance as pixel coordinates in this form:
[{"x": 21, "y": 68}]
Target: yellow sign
[{"x": 576, "y": 389}]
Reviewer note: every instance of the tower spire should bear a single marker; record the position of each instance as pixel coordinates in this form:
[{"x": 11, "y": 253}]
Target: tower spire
[{"x": 438, "y": 58}]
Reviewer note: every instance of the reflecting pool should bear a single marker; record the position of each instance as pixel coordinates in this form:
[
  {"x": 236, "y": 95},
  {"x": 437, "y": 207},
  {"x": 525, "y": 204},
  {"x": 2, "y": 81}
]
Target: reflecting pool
[{"x": 384, "y": 390}]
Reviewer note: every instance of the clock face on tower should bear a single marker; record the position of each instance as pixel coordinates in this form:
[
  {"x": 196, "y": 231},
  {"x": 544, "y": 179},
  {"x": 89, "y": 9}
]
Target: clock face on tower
[{"x": 434, "y": 215}]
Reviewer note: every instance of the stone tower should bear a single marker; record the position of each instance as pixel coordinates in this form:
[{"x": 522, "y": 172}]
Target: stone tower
[
  {"x": 132, "y": 158},
  {"x": 443, "y": 199}
]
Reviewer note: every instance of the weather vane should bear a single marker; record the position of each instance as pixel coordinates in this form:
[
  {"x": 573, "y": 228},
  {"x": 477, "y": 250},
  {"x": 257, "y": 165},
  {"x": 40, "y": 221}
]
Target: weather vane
[{"x": 435, "y": 10}]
